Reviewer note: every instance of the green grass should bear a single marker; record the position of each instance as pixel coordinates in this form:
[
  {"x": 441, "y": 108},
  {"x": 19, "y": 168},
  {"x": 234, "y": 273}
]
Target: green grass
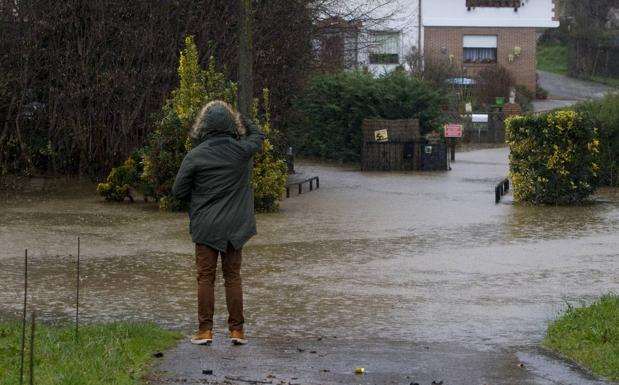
[
  {"x": 115, "y": 353},
  {"x": 608, "y": 81},
  {"x": 552, "y": 58},
  {"x": 590, "y": 336}
]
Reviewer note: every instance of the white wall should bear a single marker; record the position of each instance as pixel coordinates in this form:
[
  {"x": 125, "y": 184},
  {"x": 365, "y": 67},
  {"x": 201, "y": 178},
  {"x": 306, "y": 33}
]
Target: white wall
[{"x": 453, "y": 13}]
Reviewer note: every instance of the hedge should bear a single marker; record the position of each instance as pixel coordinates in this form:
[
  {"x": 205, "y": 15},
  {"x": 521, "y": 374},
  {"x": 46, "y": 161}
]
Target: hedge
[
  {"x": 333, "y": 106},
  {"x": 604, "y": 114},
  {"x": 553, "y": 157}
]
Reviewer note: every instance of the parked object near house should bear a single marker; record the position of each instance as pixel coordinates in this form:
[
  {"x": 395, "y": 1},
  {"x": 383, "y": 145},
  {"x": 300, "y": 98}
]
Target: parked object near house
[
  {"x": 397, "y": 145},
  {"x": 481, "y": 33}
]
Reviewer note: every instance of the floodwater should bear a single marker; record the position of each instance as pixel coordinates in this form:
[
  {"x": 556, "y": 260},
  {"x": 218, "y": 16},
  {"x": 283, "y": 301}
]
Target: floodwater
[{"x": 425, "y": 258}]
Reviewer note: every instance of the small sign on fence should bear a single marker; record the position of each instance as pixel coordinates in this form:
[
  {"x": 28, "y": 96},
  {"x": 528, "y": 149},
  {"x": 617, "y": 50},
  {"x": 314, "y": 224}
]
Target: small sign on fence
[
  {"x": 453, "y": 130},
  {"x": 381, "y": 136}
]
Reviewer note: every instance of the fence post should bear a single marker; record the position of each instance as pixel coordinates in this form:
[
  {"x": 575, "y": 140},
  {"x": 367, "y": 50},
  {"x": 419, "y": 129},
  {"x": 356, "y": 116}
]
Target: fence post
[
  {"x": 32, "y": 349},
  {"x": 317, "y": 182},
  {"x": 300, "y": 188},
  {"x": 77, "y": 292},
  {"x": 23, "y": 327}
]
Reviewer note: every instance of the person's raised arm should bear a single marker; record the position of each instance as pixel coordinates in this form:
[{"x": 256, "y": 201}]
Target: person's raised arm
[
  {"x": 252, "y": 143},
  {"x": 184, "y": 180}
]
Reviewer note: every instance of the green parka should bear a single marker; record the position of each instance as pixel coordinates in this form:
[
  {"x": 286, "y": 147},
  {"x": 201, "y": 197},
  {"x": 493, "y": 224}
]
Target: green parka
[{"x": 216, "y": 178}]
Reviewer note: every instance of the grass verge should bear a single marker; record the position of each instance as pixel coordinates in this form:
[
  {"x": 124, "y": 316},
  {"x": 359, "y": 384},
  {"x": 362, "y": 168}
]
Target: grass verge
[
  {"x": 552, "y": 58},
  {"x": 608, "y": 81},
  {"x": 589, "y": 335},
  {"x": 116, "y": 353}
]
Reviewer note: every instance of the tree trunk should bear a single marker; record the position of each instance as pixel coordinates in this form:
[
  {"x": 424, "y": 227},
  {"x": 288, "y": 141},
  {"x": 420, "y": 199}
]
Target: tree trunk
[{"x": 246, "y": 78}]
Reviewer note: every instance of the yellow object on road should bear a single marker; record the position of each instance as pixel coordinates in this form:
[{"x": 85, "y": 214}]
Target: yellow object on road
[{"x": 360, "y": 371}]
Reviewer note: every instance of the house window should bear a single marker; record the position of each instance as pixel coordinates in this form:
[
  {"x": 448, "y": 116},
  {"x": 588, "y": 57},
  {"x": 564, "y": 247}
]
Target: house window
[
  {"x": 479, "y": 49},
  {"x": 384, "y": 47}
]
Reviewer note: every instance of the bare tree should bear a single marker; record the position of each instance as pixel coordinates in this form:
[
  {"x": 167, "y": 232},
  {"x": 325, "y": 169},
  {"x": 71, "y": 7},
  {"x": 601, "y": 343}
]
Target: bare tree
[
  {"x": 590, "y": 50},
  {"x": 82, "y": 81}
]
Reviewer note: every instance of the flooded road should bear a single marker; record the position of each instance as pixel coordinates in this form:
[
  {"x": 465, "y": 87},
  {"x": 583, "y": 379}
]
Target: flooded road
[{"x": 409, "y": 257}]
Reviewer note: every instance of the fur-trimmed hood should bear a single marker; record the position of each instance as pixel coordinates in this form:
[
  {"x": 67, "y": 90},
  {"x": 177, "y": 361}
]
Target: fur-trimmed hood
[{"x": 217, "y": 119}]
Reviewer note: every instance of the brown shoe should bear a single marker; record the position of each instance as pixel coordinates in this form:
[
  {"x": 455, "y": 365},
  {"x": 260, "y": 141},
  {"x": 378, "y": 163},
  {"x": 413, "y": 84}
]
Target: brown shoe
[
  {"x": 238, "y": 337},
  {"x": 203, "y": 337}
]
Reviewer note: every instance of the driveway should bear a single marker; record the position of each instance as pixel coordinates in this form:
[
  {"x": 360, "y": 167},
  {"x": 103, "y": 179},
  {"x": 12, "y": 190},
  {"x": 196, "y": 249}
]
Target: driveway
[{"x": 564, "y": 91}]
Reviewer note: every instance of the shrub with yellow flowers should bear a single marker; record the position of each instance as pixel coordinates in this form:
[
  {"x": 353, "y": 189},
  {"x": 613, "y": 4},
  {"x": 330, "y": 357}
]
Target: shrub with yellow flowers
[
  {"x": 553, "y": 158},
  {"x": 152, "y": 169}
]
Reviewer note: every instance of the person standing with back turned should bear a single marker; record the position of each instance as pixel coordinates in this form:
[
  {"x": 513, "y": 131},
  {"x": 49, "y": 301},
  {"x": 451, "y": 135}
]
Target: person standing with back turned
[{"x": 215, "y": 177}]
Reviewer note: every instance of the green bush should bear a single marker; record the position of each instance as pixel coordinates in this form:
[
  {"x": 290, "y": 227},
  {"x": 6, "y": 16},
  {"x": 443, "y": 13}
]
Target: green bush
[
  {"x": 604, "y": 114},
  {"x": 270, "y": 172},
  {"x": 333, "y": 107},
  {"x": 553, "y": 157},
  {"x": 154, "y": 172},
  {"x": 117, "y": 186}
]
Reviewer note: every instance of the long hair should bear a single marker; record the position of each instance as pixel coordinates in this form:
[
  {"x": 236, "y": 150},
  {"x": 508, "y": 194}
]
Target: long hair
[{"x": 198, "y": 126}]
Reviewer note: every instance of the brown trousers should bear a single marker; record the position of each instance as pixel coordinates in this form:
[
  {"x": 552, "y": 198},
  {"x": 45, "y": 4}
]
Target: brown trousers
[{"x": 206, "y": 266}]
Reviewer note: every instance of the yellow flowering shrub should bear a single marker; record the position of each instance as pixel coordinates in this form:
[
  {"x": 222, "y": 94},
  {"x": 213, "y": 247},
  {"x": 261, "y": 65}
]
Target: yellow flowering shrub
[
  {"x": 553, "y": 157},
  {"x": 153, "y": 171},
  {"x": 117, "y": 186},
  {"x": 270, "y": 172}
]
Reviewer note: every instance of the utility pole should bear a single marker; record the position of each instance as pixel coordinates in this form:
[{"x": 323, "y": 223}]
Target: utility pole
[
  {"x": 246, "y": 58},
  {"x": 420, "y": 27}
]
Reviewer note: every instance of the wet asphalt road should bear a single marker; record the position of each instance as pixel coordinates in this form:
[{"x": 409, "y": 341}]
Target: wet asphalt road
[{"x": 564, "y": 91}]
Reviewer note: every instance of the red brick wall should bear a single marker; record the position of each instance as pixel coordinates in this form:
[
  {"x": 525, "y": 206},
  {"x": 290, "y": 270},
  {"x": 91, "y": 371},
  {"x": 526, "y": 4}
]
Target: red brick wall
[{"x": 441, "y": 42}]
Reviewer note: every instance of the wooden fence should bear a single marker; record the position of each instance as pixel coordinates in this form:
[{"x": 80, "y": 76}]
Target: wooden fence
[{"x": 401, "y": 151}]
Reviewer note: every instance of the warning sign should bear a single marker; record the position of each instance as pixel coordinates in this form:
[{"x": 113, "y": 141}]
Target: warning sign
[
  {"x": 381, "y": 136},
  {"x": 453, "y": 131}
]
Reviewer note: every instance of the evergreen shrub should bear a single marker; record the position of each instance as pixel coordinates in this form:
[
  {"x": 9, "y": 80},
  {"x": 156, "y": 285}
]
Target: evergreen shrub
[
  {"x": 552, "y": 157},
  {"x": 118, "y": 183},
  {"x": 152, "y": 169},
  {"x": 270, "y": 172},
  {"x": 604, "y": 114},
  {"x": 333, "y": 106}
]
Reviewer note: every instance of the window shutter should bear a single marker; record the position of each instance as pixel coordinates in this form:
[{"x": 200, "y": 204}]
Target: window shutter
[{"x": 479, "y": 41}]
